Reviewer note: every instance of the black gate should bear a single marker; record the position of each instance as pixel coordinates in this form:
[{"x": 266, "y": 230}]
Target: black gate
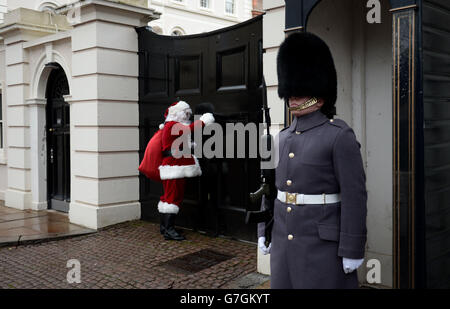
[
  {"x": 58, "y": 141},
  {"x": 224, "y": 68}
]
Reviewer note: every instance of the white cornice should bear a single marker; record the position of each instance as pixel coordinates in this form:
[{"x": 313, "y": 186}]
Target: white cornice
[
  {"x": 35, "y": 102},
  {"x": 50, "y": 38},
  {"x": 117, "y": 5}
]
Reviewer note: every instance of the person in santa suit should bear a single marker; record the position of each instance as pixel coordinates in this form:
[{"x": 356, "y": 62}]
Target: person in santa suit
[{"x": 175, "y": 168}]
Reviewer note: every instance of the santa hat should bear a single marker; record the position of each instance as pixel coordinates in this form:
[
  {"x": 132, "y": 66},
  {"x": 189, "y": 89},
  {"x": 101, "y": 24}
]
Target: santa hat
[{"x": 173, "y": 109}]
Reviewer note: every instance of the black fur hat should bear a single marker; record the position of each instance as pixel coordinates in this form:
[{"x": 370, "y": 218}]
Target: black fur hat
[{"x": 306, "y": 69}]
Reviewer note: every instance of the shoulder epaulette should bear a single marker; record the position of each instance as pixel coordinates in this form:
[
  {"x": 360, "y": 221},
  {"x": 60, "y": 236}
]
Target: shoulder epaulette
[{"x": 338, "y": 123}]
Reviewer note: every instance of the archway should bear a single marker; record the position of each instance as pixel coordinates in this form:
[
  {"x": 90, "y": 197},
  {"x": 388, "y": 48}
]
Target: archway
[{"x": 58, "y": 140}]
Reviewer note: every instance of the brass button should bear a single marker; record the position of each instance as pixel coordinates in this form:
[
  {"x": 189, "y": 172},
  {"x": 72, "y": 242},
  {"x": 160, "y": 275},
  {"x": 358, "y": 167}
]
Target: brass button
[
  {"x": 291, "y": 198},
  {"x": 298, "y": 132},
  {"x": 289, "y": 182},
  {"x": 291, "y": 155},
  {"x": 289, "y": 209},
  {"x": 290, "y": 237}
]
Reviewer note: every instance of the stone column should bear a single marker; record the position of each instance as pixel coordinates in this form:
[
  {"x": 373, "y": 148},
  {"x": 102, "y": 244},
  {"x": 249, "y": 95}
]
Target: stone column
[
  {"x": 38, "y": 159},
  {"x": 273, "y": 34},
  {"x": 104, "y": 113}
]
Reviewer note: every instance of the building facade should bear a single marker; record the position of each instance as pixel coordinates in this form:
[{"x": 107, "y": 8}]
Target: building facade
[
  {"x": 69, "y": 83},
  {"x": 185, "y": 17}
]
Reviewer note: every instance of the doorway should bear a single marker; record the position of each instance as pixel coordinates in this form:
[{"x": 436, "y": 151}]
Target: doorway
[
  {"x": 58, "y": 141},
  {"x": 223, "y": 67}
]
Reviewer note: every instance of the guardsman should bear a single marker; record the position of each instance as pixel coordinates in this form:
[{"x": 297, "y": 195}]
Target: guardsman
[{"x": 319, "y": 232}]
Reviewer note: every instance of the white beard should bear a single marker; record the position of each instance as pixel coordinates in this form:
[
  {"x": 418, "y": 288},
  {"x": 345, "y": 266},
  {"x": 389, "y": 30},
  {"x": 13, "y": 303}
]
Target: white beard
[{"x": 179, "y": 117}]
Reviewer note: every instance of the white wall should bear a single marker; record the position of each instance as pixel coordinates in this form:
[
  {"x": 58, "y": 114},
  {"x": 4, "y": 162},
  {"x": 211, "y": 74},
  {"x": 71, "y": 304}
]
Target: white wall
[
  {"x": 3, "y": 166},
  {"x": 192, "y": 19},
  {"x": 3, "y": 9},
  {"x": 378, "y": 94},
  {"x": 33, "y": 4}
]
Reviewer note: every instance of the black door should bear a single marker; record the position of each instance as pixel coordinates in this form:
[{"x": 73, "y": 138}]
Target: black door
[
  {"x": 58, "y": 142},
  {"x": 224, "y": 68}
]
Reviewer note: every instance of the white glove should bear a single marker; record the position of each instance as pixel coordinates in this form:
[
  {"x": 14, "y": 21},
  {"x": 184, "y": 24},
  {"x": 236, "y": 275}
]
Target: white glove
[
  {"x": 350, "y": 264},
  {"x": 262, "y": 246},
  {"x": 207, "y": 118}
]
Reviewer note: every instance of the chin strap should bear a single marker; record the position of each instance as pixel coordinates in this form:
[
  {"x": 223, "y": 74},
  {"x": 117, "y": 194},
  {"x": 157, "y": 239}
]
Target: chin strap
[{"x": 311, "y": 102}]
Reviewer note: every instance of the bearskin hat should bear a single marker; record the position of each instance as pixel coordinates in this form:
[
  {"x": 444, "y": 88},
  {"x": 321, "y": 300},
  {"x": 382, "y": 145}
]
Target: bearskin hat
[{"x": 306, "y": 69}]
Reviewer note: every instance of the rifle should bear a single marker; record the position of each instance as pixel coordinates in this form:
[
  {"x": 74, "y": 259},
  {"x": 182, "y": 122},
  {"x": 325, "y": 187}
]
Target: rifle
[{"x": 267, "y": 189}]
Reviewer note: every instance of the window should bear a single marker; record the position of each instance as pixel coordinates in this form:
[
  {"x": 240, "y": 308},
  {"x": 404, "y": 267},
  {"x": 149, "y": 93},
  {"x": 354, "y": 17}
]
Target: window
[
  {"x": 176, "y": 33},
  {"x": 204, "y": 4},
  {"x": 48, "y": 7},
  {"x": 229, "y": 6}
]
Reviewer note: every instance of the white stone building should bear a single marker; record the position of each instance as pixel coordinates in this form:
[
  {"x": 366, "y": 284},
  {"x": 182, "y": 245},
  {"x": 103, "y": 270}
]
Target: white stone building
[
  {"x": 96, "y": 49},
  {"x": 184, "y": 17}
]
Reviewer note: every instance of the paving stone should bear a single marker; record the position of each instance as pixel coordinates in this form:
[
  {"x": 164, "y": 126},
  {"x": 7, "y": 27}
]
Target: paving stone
[{"x": 126, "y": 255}]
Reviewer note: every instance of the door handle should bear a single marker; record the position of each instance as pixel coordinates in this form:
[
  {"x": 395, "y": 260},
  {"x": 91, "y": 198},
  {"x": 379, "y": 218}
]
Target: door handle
[{"x": 51, "y": 155}]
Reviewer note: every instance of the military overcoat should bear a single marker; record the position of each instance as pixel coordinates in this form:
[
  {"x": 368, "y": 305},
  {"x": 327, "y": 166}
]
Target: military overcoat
[{"x": 317, "y": 156}]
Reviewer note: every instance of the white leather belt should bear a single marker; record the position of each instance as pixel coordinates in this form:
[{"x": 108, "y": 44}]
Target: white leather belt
[{"x": 304, "y": 199}]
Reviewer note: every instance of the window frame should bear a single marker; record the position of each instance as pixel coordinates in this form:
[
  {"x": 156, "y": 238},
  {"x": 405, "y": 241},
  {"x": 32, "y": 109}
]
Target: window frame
[
  {"x": 208, "y": 4},
  {"x": 234, "y": 8},
  {"x": 179, "y": 2},
  {"x": 179, "y": 29}
]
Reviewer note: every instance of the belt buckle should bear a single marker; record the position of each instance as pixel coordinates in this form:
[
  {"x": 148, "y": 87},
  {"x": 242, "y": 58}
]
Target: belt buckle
[{"x": 291, "y": 198}]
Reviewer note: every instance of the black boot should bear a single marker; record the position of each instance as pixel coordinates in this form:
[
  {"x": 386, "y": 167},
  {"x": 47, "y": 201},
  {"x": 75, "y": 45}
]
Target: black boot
[
  {"x": 162, "y": 228},
  {"x": 169, "y": 225}
]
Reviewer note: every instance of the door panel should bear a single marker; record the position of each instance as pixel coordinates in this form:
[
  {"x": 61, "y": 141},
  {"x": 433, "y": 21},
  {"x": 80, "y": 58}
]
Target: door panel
[{"x": 224, "y": 68}]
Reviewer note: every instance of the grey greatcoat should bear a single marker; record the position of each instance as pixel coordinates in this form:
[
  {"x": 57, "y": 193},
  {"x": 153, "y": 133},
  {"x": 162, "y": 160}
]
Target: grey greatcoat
[{"x": 318, "y": 155}]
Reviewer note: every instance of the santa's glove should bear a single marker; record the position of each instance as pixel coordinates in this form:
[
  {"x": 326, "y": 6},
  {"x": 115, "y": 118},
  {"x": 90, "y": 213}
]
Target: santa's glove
[
  {"x": 350, "y": 264},
  {"x": 207, "y": 118},
  {"x": 262, "y": 245}
]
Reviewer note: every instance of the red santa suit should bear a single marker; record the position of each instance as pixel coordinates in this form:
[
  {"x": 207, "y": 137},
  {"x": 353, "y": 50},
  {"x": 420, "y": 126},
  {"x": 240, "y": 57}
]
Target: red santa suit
[{"x": 174, "y": 169}]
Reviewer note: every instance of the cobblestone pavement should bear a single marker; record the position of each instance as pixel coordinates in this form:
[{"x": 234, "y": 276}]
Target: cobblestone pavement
[{"x": 128, "y": 255}]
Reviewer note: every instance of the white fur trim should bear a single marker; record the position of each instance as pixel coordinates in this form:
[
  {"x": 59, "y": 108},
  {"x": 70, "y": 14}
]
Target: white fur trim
[
  {"x": 207, "y": 118},
  {"x": 161, "y": 126},
  {"x": 180, "y": 171},
  {"x": 166, "y": 208},
  {"x": 179, "y": 107}
]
